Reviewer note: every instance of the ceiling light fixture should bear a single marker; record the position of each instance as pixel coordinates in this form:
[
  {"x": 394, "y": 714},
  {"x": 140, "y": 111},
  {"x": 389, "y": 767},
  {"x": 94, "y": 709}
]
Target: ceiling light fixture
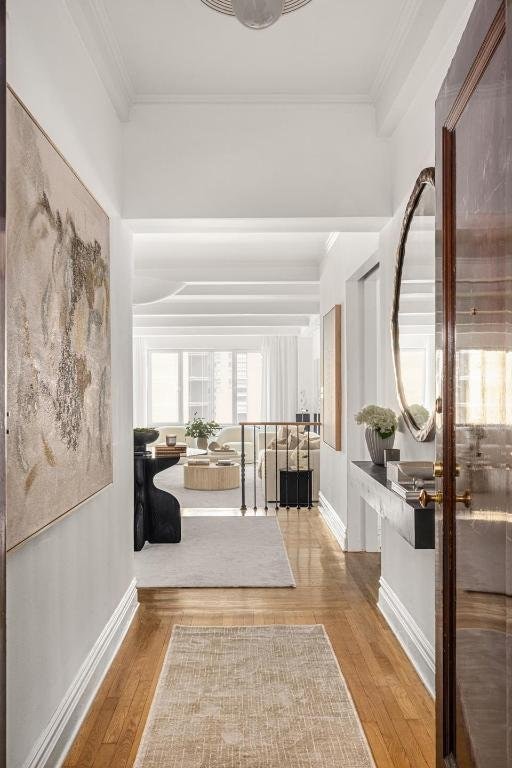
[{"x": 256, "y": 14}]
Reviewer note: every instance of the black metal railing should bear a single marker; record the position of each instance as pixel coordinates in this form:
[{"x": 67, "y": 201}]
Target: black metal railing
[{"x": 289, "y": 465}]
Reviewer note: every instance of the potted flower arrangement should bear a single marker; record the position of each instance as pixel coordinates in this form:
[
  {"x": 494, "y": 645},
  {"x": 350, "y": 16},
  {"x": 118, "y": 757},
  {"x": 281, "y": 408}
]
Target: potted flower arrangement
[
  {"x": 201, "y": 430},
  {"x": 381, "y": 424}
]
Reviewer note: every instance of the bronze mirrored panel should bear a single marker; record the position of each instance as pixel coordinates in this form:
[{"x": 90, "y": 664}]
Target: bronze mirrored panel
[{"x": 413, "y": 314}]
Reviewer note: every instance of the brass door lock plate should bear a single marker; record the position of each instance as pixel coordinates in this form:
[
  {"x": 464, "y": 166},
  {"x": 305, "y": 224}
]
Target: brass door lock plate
[{"x": 438, "y": 470}]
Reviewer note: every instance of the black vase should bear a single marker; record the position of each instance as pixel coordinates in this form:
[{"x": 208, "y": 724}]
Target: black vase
[{"x": 142, "y": 437}]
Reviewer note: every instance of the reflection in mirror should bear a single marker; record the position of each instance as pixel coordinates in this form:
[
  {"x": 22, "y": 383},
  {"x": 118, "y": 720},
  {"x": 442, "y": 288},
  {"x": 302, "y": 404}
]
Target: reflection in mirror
[
  {"x": 413, "y": 320},
  {"x": 416, "y": 313}
]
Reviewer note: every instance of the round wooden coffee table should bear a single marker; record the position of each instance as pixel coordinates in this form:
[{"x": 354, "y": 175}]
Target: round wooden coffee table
[{"x": 211, "y": 478}]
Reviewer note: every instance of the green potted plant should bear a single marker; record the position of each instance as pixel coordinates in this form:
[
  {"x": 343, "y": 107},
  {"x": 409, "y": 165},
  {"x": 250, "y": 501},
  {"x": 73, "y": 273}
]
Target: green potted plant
[
  {"x": 201, "y": 429},
  {"x": 142, "y": 436},
  {"x": 381, "y": 424}
]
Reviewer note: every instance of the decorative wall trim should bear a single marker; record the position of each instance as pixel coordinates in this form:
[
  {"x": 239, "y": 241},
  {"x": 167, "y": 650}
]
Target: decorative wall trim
[
  {"x": 333, "y": 520},
  {"x": 412, "y": 639},
  {"x": 52, "y": 746}
]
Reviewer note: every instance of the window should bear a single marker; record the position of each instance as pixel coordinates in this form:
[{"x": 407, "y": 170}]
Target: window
[
  {"x": 221, "y": 385},
  {"x": 164, "y": 387}
]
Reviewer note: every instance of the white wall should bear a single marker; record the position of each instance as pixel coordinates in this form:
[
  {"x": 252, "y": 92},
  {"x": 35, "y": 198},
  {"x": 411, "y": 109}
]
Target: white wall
[
  {"x": 408, "y": 572},
  {"x": 255, "y": 160},
  {"x": 348, "y": 252},
  {"x": 64, "y": 584}
]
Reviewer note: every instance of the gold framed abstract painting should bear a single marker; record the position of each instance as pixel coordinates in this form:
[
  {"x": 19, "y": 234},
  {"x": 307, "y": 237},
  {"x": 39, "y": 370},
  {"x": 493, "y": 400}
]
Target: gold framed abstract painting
[
  {"x": 59, "y": 449},
  {"x": 331, "y": 378}
]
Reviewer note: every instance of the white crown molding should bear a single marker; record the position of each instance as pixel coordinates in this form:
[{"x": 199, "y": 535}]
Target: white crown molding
[
  {"x": 52, "y": 746},
  {"x": 333, "y": 521},
  {"x": 407, "y": 16},
  {"x": 315, "y": 99},
  {"x": 95, "y": 29},
  {"x": 434, "y": 55},
  {"x": 333, "y": 236},
  {"x": 412, "y": 639}
]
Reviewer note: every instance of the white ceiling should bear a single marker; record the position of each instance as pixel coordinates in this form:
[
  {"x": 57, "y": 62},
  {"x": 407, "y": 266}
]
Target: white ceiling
[
  {"x": 151, "y": 50},
  {"x": 219, "y": 283},
  {"x": 259, "y": 276},
  {"x": 184, "y": 47}
]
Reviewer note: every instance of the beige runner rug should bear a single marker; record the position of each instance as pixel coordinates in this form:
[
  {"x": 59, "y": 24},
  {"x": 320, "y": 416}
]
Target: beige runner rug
[{"x": 252, "y": 697}]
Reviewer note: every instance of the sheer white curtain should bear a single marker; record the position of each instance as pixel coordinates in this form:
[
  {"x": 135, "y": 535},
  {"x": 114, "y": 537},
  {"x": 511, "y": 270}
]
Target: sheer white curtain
[
  {"x": 140, "y": 376},
  {"x": 280, "y": 378}
]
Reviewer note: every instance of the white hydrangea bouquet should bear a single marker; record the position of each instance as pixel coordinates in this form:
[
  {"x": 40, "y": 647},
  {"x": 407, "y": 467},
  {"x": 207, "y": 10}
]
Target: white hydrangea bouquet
[
  {"x": 381, "y": 425},
  {"x": 384, "y": 420}
]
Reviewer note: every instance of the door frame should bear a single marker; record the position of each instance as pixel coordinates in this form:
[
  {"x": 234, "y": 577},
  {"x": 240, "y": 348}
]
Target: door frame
[
  {"x": 355, "y": 445},
  {"x": 485, "y": 30}
]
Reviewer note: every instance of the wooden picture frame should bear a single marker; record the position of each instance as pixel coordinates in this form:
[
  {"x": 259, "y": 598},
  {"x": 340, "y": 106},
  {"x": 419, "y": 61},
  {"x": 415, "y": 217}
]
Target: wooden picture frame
[{"x": 331, "y": 378}]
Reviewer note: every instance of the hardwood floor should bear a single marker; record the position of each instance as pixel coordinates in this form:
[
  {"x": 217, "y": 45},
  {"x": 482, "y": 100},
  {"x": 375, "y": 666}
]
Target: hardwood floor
[{"x": 334, "y": 588}]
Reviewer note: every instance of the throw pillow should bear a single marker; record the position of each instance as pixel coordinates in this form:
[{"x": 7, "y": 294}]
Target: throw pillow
[
  {"x": 314, "y": 444},
  {"x": 292, "y": 441}
]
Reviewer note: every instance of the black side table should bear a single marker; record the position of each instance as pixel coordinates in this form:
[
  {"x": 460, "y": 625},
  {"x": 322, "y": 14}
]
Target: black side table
[
  {"x": 296, "y": 488},
  {"x": 157, "y": 516}
]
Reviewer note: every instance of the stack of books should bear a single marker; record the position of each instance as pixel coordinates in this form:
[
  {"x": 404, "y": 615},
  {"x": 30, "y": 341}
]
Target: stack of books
[
  {"x": 225, "y": 463},
  {"x": 180, "y": 449},
  {"x": 199, "y": 462}
]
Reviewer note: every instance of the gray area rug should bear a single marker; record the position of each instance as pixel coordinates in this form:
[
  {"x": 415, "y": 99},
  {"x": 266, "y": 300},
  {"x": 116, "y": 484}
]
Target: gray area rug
[
  {"x": 218, "y": 552},
  {"x": 252, "y": 697},
  {"x": 172, "y": 480}
]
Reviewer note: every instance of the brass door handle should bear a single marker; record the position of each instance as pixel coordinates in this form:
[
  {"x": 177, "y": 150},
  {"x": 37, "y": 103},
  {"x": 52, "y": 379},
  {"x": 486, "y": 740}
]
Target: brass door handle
[
  {"x": 464, "y": 498},
  {"x": 425, "y": 498}
]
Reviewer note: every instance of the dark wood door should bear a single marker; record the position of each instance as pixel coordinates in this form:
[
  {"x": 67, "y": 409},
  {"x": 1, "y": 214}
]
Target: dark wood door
[
  {"x": 3, "y": 138},
  {"x": 474, "y": 324}
]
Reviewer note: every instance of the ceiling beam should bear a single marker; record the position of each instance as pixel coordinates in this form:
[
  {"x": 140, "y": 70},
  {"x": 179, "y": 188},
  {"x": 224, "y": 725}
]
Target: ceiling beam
[
  {"x": 255, "y": 330},
  {"x": 298, "y": 289},
  {"x": 189, "y": 271},
  {"x": 227, "y": 321},
  {"x": 175, "y": 308},
  {"x": 286, "y": 225}
]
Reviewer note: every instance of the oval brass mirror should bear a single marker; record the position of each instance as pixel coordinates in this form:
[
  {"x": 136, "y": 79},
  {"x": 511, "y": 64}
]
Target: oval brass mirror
[{"x": 413, "y": 314}]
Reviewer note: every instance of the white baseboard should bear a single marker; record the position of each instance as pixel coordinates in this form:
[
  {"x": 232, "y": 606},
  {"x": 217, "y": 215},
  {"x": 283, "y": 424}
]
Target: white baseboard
[
  {"x": 333, "y": 520},
  {"x": 412, "y": 639},
  {"x": 55, "y": 741}
]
